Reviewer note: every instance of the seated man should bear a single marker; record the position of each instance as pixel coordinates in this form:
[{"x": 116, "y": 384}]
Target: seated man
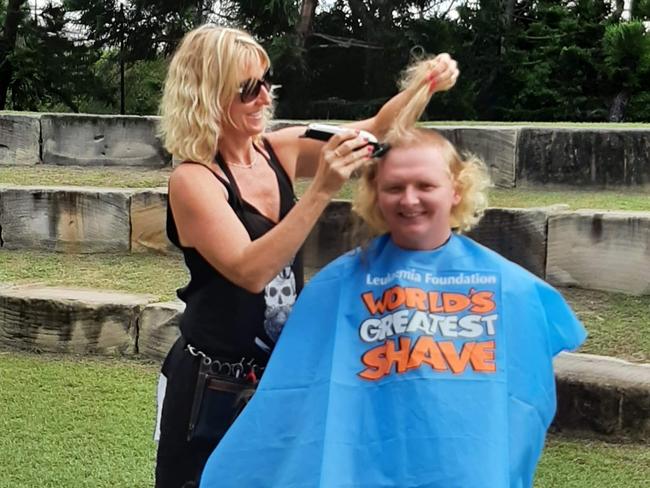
[{"x": 422, "y": 359}]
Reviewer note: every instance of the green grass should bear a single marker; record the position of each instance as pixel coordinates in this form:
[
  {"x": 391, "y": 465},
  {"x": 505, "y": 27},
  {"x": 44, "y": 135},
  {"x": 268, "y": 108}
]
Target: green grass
[
  {"x": 590, "y": 463},
  {"x": 73, "y": 422},
  {"x": 623, "y": 199},
  {"x": 158, "y": 275},
  {"x": 43, "y": 175},
  {"x": 617, "y": 323}
]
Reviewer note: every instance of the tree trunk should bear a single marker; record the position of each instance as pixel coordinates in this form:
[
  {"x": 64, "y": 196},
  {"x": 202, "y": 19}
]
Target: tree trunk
[
  {"x": 293, "y": 103},
  {"x": 363, "y": 16},
  {"x": 617, "y": 108},
  {"x": 508, "y": 12},
  {"x": 199, "y": 18},
  {"x": 618, "y": 12},
  {"x": 307, "y": 12},
  {"x": 7, "y": 46}
]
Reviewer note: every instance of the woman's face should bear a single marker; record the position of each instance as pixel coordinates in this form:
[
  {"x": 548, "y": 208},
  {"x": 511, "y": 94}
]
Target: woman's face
[
  {"x": 248, "y": 116},
  {"x": 415, "y": 195}
]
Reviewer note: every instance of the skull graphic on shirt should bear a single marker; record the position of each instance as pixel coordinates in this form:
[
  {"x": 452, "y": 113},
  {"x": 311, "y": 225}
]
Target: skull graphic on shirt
[{"x": 279, "y": 295}]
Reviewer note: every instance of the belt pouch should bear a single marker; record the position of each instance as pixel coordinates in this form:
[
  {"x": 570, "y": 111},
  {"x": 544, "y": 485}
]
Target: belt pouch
[{"x": 218, "y": 400}]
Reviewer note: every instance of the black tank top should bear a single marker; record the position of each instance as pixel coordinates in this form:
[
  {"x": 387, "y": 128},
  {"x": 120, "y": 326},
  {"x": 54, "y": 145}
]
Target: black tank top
[{"x": 221, "y": 318}]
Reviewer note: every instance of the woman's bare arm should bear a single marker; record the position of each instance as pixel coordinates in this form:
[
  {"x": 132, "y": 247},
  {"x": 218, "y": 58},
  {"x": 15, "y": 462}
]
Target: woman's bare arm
[
  {"x": 300, "y": 155},
  {"x": 206, "y": 222}
]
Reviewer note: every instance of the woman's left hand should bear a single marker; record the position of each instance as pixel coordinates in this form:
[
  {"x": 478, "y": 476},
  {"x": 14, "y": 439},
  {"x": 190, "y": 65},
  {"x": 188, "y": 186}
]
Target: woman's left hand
[{"x": 443, "y": 74}]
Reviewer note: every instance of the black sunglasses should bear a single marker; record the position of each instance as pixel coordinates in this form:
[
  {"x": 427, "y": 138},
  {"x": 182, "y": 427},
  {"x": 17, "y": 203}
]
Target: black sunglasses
[{"x": 250, "y": 89}]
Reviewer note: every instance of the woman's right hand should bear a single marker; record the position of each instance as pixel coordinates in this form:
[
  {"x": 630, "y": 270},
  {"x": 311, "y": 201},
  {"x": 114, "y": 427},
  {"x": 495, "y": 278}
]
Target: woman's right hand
[
  {"x": 342, "y": 155},
  {"x": 443, "y": 74}
]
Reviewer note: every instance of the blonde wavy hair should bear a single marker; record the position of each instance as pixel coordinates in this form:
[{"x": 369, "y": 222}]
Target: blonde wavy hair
[
  {"x": 202, "y": 81},
  {"x": 469, "y": 173}
]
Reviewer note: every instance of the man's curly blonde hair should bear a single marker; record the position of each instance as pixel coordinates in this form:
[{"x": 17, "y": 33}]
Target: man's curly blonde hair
[
  {"x": 202, "y": 81},
  {"x": 469, "y": 173}
]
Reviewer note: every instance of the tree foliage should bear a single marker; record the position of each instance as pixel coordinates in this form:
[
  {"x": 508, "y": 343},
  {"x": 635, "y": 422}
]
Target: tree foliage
[{"x": 574, "y": 60}]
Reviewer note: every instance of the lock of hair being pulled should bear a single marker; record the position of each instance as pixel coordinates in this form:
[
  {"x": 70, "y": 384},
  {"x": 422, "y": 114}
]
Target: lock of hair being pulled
[{"x": 468, "y": 172}]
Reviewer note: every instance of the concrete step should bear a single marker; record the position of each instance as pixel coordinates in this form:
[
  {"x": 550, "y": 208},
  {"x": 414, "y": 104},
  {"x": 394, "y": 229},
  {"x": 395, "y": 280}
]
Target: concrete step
[
  {"x": 604, "y": 395},
  {"x": 83, "y": 219},
  {"x": 87, "y": 321},
  {"x": 595, "y": 393},
  {"x": 71, "y": 320},
  {"x": 81, "y": 140},
  {"x": 600, "y": 251}
]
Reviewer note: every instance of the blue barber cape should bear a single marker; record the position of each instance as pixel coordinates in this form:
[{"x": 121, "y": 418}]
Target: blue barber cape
[{"x": 407, "y": 369}]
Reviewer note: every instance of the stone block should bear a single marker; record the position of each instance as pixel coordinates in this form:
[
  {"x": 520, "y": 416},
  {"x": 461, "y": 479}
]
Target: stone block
[
  {"x": 337, "y": 231},
  {"x": 584, "y": 157},
  {"x": 497, "y": 146},
  {"x": 518, "y": 234},
  {"x": 148, "y": 221},
  {"x": 70, "y": 219},
  {"x": 599, "y": 250},
  {"x": 605, "y": 395},
  {"x": 96, "y": 140},
  {"x": 20, "y": 139},
  {"x": 69, "y": 320},
  {"x": 158, "y": 328}
]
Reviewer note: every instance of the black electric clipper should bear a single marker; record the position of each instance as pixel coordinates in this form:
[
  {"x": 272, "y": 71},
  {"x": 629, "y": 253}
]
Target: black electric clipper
[{"x": 323, "y": 132}]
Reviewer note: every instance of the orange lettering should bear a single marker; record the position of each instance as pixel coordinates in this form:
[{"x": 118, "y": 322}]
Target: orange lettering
[
  {"x": 482, "y": 357},
  {"x": 394, "y": 298},
  {"x": 426, "y": 351},
  {"x": 400, "y": 356},
  {"x": 416, "y": 298},
  {"x": 375, "y": 362},
  {"x": 456, "y": 363},
  {"x": 372, "y": 306},
  {"x": 440, "y": 356},
  {"x": 454, "y": 302},
  {"x": 433, "y": 302},
  {"x": 483, "y": 302}
]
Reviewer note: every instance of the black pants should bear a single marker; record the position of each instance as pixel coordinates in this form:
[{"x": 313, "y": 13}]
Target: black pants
[{"x": 179, "y": 462}]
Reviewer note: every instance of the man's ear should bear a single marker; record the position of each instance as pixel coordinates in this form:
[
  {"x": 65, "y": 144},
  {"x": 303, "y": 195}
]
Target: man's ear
[{"x": 457, "y": 197}]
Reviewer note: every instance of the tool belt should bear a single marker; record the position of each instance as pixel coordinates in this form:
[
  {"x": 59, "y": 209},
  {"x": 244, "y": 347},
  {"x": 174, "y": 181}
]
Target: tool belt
[{"x": 222, "y": 391}]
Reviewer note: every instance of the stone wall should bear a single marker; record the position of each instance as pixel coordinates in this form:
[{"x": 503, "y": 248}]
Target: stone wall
[
  {"x": 583, "y": 157},
  {"x": 600, "y": 250},
  {"x": 70, "y": 320},
  {"x": 20, "y": 140},
  {"x": 516, "y": 155},
  {"x": 589, "y": 249},
  {"x": 81, "y": 140},
  {"x": 497, "y": 146}
]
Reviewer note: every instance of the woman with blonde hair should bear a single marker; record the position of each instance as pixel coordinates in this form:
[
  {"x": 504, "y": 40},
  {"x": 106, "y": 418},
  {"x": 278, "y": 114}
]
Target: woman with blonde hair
[
  {"x": 233, "y": 214},
  {"x": 420, "y": 360}
]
